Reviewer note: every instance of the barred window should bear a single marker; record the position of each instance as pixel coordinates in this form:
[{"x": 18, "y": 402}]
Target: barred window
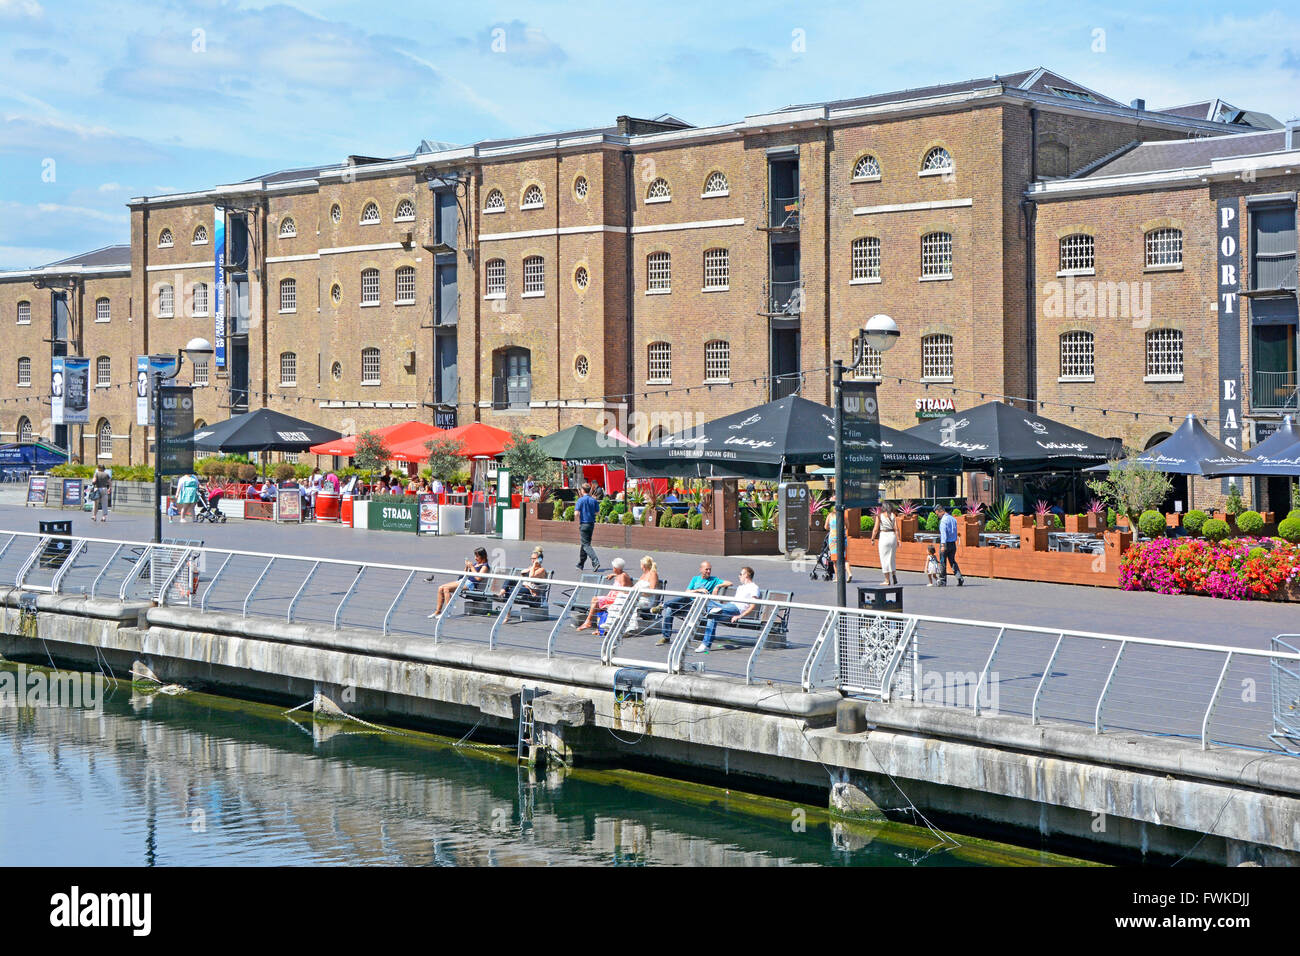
[
  {"x": 336, "y": 213},
  {"x": 936, "y": 160},
  {"x": 24, "y": 313},
  {"x": 1077, "y": 253},
  {"x": 495, "y": 270},
  {"x": 1077, "y": 355},
  {"x": 405, "y": 211},
  {"x": 370, "y": 366},
  {"x": 369, "y": 286},
  {"x": 717, "y": 361},
  {"x": 25, "y": 371},
  {"x": 288, "y": 295},
  {"x": 936, "y": 357},
  {"x": 24, "y": 429},
  {"x": 659, "y": 363},
  {"x": 716, "y": 184},
  {"x": 532, "y": 198},
  {"x": 405, "y": 286},
  {"x": 717, "y": 268},
  {"x": 580, "y": 187},
  {"x": 866, "y": 258},
  {"x": 495, "y": 202},
  {"x": 1165, "y": 354},
  {"x": 659, "y": 272},
  {"x": 534, "y": 275},
  {"x": 104, "y": 443},
  {"x": 288, "y": 368},
  {"x": 869, "y": 361},
  {"x": 165, "y": 240},
  {"x": 1164, "y": 247},
  {"x": 103, "y": 310},
  {"x": 936, "y": 254},
  {"x": 200, "y": 299},
  {"x": 287, "y": 228},
  {"x": 659, "y": 191},
  {"x": 166, "y": 301},
  {"x": 868, "y": 167},
  {"x": 200, "y": 236},
  {"x": 370, "y": 214},
  {"x": 201, "y": 374},
  {"x": 103, "y": 371}
]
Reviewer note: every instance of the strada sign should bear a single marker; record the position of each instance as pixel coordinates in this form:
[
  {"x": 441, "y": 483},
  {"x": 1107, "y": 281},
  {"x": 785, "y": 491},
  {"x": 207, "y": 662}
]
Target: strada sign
[{"x": 934, "y": 407}]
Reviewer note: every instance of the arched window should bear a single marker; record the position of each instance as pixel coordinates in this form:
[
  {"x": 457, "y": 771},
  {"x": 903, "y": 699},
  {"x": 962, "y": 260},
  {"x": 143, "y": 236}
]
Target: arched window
[
  {"x": 716, "y": 184},
  {"x": 534, "y": 276},
  {"x": 659, "y": 272},
  {"x": 288, "y": 295},
  {"x": 165, "y": 240},
  {"x": 1077, "y": 356},
  {"x": 104, "y": 439},
  {"x": 405, "y": 211},
  {"x": 24, "y": 313},
  {"x": 495, "y": 202},
  {"x": 1078, "y": 253},
  {"x": 103, "y": 371},
  {"x": 24, "y": 429},
  {"x": 868, "y": 361},
  {"x": 288, "y": 229},
  {"x": 717, "y": 268},
  {"x": 659, "y": 191},
  {"x": 103, "y": 309},
  {"x": 865, "y": 259},
  {"x": 1165, "y": 355},
  {"x": 533, "y": 198},
  {"x": 581, "y": 278},
  {"x": 867, "y": 167},
  {"x": 717, "y": 361},
  {"x": 936, "y": 255},
  {"x": 936, "y": 357},
  {"x": 404, "y": 285},
  {"x": 166, "y": 301},
  {"x": 1164, "y": 247},
  {"x": 288, "y": 368},
  {"x": 200, "y": 236},
  {"x": 370, "y": 366},
  {"x": 512, "y": 378},
  {"x": 494, "y": 272},
  {"x": 200, "y": 299},
  {"x": 24, "y": 372},
  {"x": 659, "y": 363},
  {"x": 370, "y": 214},
  {"x": 369, "y": 286},
  {"x": 937, "y": 160}
]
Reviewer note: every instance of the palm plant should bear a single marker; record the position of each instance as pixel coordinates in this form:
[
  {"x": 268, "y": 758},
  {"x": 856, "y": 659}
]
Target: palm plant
[
  {"x": 766, "y": 515},
  {"x": 1000, "y": 517}
]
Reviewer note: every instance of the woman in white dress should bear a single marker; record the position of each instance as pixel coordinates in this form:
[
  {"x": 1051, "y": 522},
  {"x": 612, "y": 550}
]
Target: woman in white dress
[{"x": 887, "y": 540}]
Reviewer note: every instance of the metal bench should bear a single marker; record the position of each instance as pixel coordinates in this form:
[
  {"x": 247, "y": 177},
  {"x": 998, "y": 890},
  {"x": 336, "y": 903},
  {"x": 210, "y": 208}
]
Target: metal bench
[
  {"x": 770, "y": 626},
  {"x": 531, "y": 597}
]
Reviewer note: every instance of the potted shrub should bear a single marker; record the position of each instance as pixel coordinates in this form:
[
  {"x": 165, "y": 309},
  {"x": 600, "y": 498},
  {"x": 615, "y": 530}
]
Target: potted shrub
[
  {"x": 1216, "y": 529},
  {"x": 909, "y": 521},
  {"x": 1194, "y": 520},
  {"x": 1250, "y": 523},
  {"x": 968, "y": 525},
  {"x": 1289, "y": 528},
  {"x": 283, "y": 472},
  {"x": 1042, "y": 514},
  {"x": 1152, "y": 524},
  {"x": 247, "y": 473}
]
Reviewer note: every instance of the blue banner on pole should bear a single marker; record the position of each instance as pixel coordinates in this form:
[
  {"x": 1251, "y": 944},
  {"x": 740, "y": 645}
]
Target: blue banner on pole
[{"x": 219, "y": 280}]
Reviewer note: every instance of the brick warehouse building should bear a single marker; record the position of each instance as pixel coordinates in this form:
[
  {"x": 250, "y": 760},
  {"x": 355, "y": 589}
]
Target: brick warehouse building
[{"x": 576, "y": 277}]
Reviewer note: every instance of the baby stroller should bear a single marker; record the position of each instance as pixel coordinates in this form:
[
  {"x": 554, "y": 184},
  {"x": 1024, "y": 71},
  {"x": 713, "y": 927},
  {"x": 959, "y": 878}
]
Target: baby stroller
[
  {"x": 206, "y": 508},
  {"x": 824, "y": 569}
]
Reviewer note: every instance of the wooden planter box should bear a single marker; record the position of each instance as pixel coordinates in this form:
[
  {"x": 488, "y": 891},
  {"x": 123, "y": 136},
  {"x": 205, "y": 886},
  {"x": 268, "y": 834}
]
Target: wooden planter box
[
  {"x": 1077, "y": 524},
  {"x": 1173, "y": 520},
  {"x": 1033, "y": 538},
  {"x": 535, "y": 511},
  {"x": 1017, "y": 522},
  {"x": 907, "y": 527},
  {"x": 968, "y": 531},
  {"x": 1057, "y": 567}
]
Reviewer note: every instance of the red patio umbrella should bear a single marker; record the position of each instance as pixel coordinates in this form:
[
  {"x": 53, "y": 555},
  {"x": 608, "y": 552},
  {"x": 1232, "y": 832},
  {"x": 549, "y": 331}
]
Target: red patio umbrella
[
  {"x": 477, "y": 441},
  {"x": 393, "y": 435}
]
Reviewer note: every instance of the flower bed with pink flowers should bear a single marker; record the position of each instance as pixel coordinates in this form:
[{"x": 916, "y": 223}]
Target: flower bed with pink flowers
[{"x": 1239, "y": 569}]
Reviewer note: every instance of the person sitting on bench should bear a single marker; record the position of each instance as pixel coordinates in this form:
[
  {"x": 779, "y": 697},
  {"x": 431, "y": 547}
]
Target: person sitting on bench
[
  {"x": 602, "y": 602},
  {"x": 702, "y": 583},
  {"x": 477, "y": 567},
  {"x": 534, "y": 570},
  {"x": 732, "y": 610}
]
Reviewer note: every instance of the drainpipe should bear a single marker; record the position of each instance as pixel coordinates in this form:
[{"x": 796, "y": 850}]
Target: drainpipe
[
  {"x": 826, "y": 259},
  {"x": 1030, "y": 211},
  {"x": 629, "y": 321},
  {"x": 559, "y": 370}
]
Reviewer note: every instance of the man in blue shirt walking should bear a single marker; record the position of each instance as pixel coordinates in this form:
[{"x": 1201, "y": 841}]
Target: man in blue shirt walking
[
  {"x": 586, "y": 507},
  {"x": 947, "y": 546}
]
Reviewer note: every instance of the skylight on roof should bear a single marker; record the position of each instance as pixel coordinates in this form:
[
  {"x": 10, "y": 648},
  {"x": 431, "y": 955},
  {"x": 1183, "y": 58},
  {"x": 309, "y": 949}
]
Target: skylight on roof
[{"x": 1073, "y": 94}]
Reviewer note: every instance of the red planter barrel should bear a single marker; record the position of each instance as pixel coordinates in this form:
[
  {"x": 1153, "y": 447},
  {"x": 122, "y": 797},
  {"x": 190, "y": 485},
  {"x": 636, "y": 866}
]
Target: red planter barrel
[
  {"x": 327, "y": 507},
  {"x": 345, "y": 512}
]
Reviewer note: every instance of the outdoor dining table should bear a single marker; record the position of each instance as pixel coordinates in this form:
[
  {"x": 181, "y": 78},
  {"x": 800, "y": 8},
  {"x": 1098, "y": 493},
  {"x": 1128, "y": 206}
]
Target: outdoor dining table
[
  {"x": 926, "y": 536},
  {"x": 1000, "y": 540},
  {"x": 1070, "y": 541}
]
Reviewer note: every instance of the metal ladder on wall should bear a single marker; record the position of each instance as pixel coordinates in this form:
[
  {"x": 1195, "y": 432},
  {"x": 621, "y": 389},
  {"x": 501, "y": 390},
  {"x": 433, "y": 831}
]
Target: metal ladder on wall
[{"x": 526, "y": 746}]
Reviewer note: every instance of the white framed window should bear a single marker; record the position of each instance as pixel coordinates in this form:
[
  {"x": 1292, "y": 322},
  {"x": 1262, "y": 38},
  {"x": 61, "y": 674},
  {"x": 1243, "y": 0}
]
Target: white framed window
[
  {"x": 533, "y": 198},
  {"x": 405, "y": 211},
  {"x": 103, "y": 372},
  {"x": 200, "y": 299},
  {"x": 495, "y": 202},
  {"x": 201, "y": 374},
  {"x": 200, "y": 236},
  {"x": 336, "y": 213},
  {"x": 288, "y": 368},
  {"x": 717, "y": 269},
  {"x": 24, "y": 429},
  {"x": 580, "y": 188},
  {"x": 1164, "y": 355},
  {"x": 370, "y": 214},
  {"x": 336, "y": 293},
  {"x": 659, "y": 191},
  {"x": 581, "y": 278},
  {"x": 659, "y": 363},
  {"x": 534, "y": 276},
  {"x": 581, "y": 366},
  {"x": 1078, "y": 359},
  {"x": 405, "y": 285},
  {"x": 717, "y": 361},
  {"x": 495, "y": 275},
  {"x": 288, "y": 295},
  {"x": 288, "y": 228},
  {"x": 370, "y": 366},
  {"x": 104, "y": 439},
  {"x": 716, "y": 185},
  {"x": 936, "y": 255},
  {"x": 166, "y": 301},
  {"x": 1078, "y": 254},
  {"x": 870, "y": 361},
  {"x": 659, "y": 272},
  {"x": 936, "y": 357},
  {"x": 103, "y": 310},
  {"x": 865, "y": 258},
  {"x": 165, "y": 240},
  {"x": 1164, "y": 248},
  {"x": 369, "y": 286},
  {"x": 24, "y": 372},
  {"x": 867, "y": 168},
  {"x": 24, "y": 313},
  {"x": 937, "y": 160}
]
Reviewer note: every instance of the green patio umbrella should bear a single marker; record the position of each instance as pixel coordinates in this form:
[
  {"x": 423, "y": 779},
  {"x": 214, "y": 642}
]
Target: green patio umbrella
[{"x": 580, "y": 443}]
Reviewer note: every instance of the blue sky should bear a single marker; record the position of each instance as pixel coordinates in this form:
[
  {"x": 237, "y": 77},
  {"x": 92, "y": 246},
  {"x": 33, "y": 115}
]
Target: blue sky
[{"x": 101, "y": 102}]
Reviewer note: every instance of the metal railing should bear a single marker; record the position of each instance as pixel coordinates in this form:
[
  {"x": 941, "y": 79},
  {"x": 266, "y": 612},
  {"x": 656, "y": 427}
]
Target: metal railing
[
  {"x": 1275, "y": 391},
  {"x": 1211, "y": 693}
]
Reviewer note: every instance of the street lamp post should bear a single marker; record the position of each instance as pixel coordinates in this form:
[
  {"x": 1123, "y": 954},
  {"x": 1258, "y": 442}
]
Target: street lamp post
[{"x": 196, "y": 349}]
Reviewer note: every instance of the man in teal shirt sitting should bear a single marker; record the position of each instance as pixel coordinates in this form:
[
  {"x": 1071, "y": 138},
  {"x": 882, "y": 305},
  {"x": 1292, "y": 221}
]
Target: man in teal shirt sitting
[{"x": 702, "y": 583}]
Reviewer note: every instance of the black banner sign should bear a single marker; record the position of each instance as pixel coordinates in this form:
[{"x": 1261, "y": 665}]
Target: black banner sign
[
  {"x": 1229, "y": 236},
  {"x": 175, "y": 425},
  {"x": 860, "y": 438}
]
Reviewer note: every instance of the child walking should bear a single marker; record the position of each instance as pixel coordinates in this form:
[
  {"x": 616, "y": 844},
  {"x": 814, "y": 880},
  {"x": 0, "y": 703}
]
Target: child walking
[{"x": 931, "y": 567}]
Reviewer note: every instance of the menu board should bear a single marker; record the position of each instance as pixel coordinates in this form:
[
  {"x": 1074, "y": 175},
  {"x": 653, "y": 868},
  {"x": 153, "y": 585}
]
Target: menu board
[
  {"x": 428, "y": 514},
  {"x": 36, "y": 485},
  {"x": 288, "y": 505},
  {"x": 72, "y": 492}
]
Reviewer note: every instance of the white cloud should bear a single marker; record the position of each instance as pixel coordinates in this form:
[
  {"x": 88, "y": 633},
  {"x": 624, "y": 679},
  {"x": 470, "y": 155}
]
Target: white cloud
[
  {"x": 111, "y": 187},
  {"x": 46, "y": 136},
  {"x": 21, "y": 10}
]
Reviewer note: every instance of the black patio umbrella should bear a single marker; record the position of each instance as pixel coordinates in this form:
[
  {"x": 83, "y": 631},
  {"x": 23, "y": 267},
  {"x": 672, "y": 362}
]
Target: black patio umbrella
[
  {"x": 756, "y": 443},
  {"x": 996, "y": 434},
  {"x": 262, "y": 430},
  {"x": 1192, "y": 450},
  {"x": 1281, "y": 440}
]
